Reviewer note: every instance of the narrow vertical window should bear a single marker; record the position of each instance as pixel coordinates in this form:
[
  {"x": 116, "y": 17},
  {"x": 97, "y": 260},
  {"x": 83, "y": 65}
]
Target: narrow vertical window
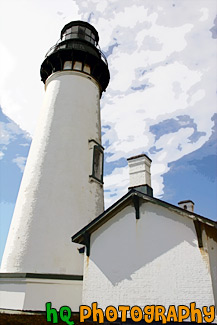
[{"x": 97, "y": 161}]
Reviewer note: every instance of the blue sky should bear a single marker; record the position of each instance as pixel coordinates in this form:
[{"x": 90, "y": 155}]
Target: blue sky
[{"x": 161, "y": 99}]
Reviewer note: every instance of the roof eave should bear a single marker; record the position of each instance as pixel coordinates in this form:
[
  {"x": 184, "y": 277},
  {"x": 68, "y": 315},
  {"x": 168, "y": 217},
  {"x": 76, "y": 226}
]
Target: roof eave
[{"x": 79, "y": 237}]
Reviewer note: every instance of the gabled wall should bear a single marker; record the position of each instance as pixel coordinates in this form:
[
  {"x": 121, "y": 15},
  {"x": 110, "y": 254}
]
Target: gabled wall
[{"x": 153, "y": 260}]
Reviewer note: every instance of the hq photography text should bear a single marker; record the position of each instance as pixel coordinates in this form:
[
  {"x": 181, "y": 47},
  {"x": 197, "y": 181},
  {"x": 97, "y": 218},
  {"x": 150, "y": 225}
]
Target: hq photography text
[{"x": 149, "y": 313}]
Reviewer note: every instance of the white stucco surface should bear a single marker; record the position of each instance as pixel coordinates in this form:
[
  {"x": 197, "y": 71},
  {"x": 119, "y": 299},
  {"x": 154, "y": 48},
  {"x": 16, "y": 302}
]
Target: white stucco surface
[
  {"x": 151, "y": 261},
  {"x": 56, "y": 197},
  {"x": 211, "y": 246},
  {"x": 33, "y": 294}
]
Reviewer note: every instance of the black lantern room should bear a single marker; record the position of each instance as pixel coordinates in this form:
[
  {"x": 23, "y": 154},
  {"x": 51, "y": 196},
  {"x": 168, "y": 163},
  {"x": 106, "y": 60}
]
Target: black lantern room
[{"x": 78, "y": 50}]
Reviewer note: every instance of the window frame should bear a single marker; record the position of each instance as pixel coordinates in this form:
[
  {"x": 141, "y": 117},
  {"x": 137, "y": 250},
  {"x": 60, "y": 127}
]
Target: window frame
[{"x": 97, "y": 147}]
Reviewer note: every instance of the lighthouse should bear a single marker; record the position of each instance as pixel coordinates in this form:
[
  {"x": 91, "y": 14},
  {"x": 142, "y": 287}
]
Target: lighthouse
[{"x": 62, "y": 185}]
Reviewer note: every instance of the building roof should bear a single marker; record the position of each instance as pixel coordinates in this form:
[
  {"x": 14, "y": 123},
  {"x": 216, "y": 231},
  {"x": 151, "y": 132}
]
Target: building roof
[{"x": 134, "y": 196}]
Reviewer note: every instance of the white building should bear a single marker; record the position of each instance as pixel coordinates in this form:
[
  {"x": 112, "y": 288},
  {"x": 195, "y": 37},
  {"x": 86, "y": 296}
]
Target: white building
[{"x": 143, "y": 251}]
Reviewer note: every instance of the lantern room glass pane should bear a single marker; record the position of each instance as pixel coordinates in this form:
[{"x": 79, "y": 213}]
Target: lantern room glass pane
[
  {"x": 77, "y": 65},
  {"x": 74, "y": 29},
  {"x": 88, "y": 31},
  {"x": 68, "y": 36},
  {"x": 67, "y": 65},
  {"x": 87, "y": 38},
  {"x": 86, "y": 68},
  {"x": 62, "y": 46},
  {"x": 81, "y": 31}
]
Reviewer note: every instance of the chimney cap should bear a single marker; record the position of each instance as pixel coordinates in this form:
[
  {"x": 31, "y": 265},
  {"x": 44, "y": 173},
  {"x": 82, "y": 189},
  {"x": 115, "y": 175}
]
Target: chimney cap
[
  {"x": 139, "y": 156},
  {"x": 186, "y": 201},
  {"x": 187, "y": 205}
]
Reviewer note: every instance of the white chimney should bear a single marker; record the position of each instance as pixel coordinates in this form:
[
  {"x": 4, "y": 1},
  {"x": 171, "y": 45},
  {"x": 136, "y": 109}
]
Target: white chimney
[
  {"x": 140, "y": 175},
  {"x": 187, "y": 205}
]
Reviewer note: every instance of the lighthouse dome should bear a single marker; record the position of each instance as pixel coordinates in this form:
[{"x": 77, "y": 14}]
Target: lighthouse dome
[{"x": 77, "y": 49}]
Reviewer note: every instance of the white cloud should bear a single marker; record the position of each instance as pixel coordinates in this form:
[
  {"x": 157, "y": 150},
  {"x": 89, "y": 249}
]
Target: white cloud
[
  {"x": 9, "y": 131},
  {"x": 117, "y": 183},
  {"x": 7, "y": 64},
  {"x": 205, "y": 14},
  {"x": 6, "y": 136},
  {"x": 1, "y": 155},
  {"x": 20, "y": 162}
]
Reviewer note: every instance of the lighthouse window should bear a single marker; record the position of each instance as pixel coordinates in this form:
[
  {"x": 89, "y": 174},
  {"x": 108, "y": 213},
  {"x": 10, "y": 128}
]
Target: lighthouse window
[
  {"x": 68, "y": 36},
  {"x": 97, "y": 172},
  {"x": 86, "y": 68},
  {"x": 71, "y": 33},
  {"x": 81, "y": 32},
  {"x": 67, "y": 65},
  {"x": 62, "y": 47},
  {"x": 88, "y": 38},
  {"x": 77, "y": 65},
  {"x": 93, "y": 36},
  {"x": 74, "y": 29},
  {"x": 88, "y": 31}
]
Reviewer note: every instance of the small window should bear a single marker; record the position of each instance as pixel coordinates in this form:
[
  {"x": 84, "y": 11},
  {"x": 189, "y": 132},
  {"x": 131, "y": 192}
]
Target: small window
[
  {"x": 86, "y": 68},
  {"x": 185, "y": 207},
  {"x": 97, "y": 171},
  {"x": 67, "y": 65},
  {"x": 62, "y": 46},
  {"x": 87, "y": 38},
  {"x": 74, "y": 35},
  {"x": 88, "y": 31},
  {"x": 74, "y": 29},
  {"x": 77, "y": 65},
  {"x": 81, "y": 31},
  {"x": 68, "y": 36}
]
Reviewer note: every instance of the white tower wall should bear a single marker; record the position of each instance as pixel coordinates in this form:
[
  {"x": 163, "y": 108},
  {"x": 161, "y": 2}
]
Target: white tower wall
[{"x": 57, "y": 196}]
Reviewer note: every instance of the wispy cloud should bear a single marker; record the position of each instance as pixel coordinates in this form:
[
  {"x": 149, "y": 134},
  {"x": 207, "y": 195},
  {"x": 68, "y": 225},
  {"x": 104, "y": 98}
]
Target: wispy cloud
[
  {"x": 14, "y": 146},
  {"x": 21, "y": 162},
  {"x": 1, "y": 155}
]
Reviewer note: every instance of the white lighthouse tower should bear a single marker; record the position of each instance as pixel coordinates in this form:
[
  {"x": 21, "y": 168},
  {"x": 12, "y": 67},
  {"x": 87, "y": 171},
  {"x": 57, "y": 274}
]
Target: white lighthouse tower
[{"x": 62, "y": 186}]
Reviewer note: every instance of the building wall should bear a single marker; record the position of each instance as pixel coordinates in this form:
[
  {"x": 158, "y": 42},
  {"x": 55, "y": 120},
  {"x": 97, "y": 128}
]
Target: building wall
[
  {"x": 153, "y": 260},
  {"x": 33, "y": 294},
  {"x": 210, "y": 240}
]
